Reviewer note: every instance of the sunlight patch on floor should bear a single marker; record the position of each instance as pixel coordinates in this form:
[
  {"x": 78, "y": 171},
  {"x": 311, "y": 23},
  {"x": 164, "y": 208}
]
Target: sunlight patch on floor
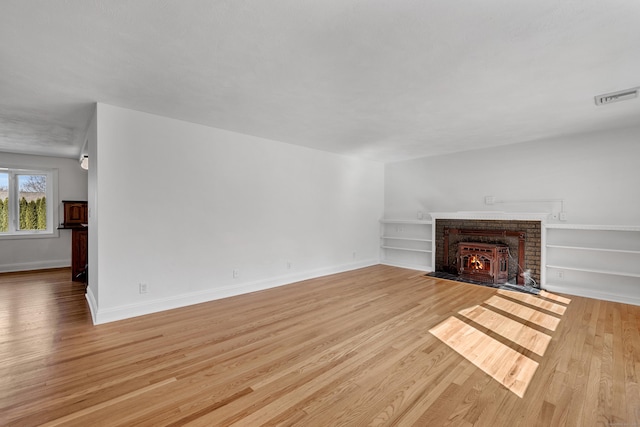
[
  {"x": 523, "y": 335},
  {"x": 503, "y": 363},
  {"x": 553, "y": 297},
  {"x": 535, "y": 301},
  {"x": 525, "y": 313}
]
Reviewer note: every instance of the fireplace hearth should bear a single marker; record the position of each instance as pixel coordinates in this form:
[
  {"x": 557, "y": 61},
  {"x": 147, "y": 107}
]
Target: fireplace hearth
[{"x": 483, "y": 262}]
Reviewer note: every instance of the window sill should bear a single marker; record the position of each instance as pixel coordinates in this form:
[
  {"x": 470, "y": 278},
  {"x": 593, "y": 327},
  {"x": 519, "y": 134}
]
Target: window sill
[{"x": 43, "y": 235}]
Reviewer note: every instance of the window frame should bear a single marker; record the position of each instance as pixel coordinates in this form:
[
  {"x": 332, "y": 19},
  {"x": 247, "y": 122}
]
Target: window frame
[{"x": 52, "y": 203}]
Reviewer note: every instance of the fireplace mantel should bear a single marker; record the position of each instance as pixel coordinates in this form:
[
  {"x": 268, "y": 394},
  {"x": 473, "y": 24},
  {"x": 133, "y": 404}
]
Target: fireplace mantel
[{"x": 492, "y": 215}]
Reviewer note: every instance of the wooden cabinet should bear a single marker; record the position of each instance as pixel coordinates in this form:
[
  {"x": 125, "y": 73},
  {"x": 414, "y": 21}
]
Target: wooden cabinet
[
  {"x": 79, "y": 243},
  {"x": 75, "y": 219},
  {"x": 75, "y": 213}
]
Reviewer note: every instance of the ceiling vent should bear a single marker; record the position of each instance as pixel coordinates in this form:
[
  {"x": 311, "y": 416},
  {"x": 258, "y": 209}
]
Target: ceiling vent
[{"x": 621, "y": 95}]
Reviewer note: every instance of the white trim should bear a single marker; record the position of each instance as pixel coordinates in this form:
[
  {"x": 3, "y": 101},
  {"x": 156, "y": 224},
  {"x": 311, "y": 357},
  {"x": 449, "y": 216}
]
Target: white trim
[
  {"x": 397, "y": 248},
  {"x": 543, "y": 254},
  {"x": 51, "y": 196},
  {"x": 38, "y": 234},
  {"x": 35, "y": 265},
  {"x": 492, "y": 215},
  {"x": 577, "y": 291},
  {"x": 405, "y": 221},
  {"x": 594, "y": 227},
  {"x": 410, "y": 239},
  {"x": 93, "y": 305},
  {"x": 586, "y": 248},
  {"x": 418, "y": 267},
  {"x": 138, "y": 309},
  {"x": 594, "y": 270}
]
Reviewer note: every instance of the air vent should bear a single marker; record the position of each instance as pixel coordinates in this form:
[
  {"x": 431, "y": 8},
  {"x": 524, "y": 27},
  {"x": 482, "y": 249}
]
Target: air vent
[{"x": 622, "y": 95}]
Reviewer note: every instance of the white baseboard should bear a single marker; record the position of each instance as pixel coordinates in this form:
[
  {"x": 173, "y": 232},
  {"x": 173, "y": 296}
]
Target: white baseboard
[
  {"x": 587, "y": 293},
  {"x": 93, "y": 304},
  {"x": 35, "y": 265},
  {"x": 138, "y": 309},
  {"x": 418, "y": 267}
]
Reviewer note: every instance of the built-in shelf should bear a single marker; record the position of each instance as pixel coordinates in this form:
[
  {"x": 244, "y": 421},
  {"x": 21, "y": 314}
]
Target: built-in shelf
[
  {"x": 594, "y": 270},
  {"x": 406, "y": 221},
  {"x": 411, "y": 239},
  {"x": 584, "y": 248},
  {"x": 599, "y": 261},
  {"x": 406, "y": 243},
  {"x": 405, "y": 249},
  {"x": 593, "y": 227}
]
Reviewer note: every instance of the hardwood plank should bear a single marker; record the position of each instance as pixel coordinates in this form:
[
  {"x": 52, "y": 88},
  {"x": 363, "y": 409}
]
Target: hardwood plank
[
  {"x": 508, "y": 367},
  {"x": 80, "y": 414},
  {"x": 347, "y": 349},
  {"x": 534, "y": 301},
  {"x": 531, "y": 315},
  {"x": 554, "y": 297},
  {"x": 519, "y": 333}
]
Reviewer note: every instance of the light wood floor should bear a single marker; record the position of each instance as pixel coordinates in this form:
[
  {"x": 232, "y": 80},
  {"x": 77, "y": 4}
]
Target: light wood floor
[{"x": 376, "y": 346}]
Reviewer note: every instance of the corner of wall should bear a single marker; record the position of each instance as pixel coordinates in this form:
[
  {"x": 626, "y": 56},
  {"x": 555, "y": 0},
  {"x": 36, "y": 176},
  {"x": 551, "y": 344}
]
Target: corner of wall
[{"x": 93, "y": 305}]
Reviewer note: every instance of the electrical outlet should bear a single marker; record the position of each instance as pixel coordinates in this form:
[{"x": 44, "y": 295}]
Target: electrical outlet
[
  {"x": 489, "y": 200},
  {"x": 563, "y": 216},
  {"x": 289, "y": 265},
  {"x": 354, "y": 254},
  {"x": 560, "y": 275},
  {"x": 236, "y": 273},
  {"x": 143, "y": 288}
]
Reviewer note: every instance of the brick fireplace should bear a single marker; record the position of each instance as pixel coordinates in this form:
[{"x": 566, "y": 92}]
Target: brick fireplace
[{"x": 508, "y": 248}]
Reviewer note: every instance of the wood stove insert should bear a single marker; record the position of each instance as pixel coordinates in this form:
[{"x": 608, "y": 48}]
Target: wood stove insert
[
  {"x": 483, "y": 262},
  {"x": 480, "y": 234}
]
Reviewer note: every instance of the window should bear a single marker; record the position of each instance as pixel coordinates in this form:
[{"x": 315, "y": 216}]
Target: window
[{"x": 26, "y": 199}]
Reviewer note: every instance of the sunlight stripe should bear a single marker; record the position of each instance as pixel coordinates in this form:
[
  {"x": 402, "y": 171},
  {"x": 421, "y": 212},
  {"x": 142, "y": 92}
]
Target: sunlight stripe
[
  {"x": 505, "y": 365},
  {"x": 534, "y": 301},
  {"x": 529, "y": 314},
  {"x": 523, "y": 335}
]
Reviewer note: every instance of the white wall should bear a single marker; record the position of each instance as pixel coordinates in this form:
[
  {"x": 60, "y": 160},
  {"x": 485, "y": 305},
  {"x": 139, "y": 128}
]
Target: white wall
[
  {"x": 596, "y": 174},
  {"x": 180, "y": 206},
  {"x": 50, "y": 252},
  {"x": 92, "y": 199}
]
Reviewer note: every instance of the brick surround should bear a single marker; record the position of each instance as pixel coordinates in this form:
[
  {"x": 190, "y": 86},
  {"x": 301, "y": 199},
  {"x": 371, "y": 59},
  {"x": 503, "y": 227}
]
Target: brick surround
[{"x": 532, "y": 246}]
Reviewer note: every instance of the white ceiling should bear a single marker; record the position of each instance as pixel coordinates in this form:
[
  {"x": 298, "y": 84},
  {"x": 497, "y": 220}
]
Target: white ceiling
[{"x": 381, "y": 79}]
